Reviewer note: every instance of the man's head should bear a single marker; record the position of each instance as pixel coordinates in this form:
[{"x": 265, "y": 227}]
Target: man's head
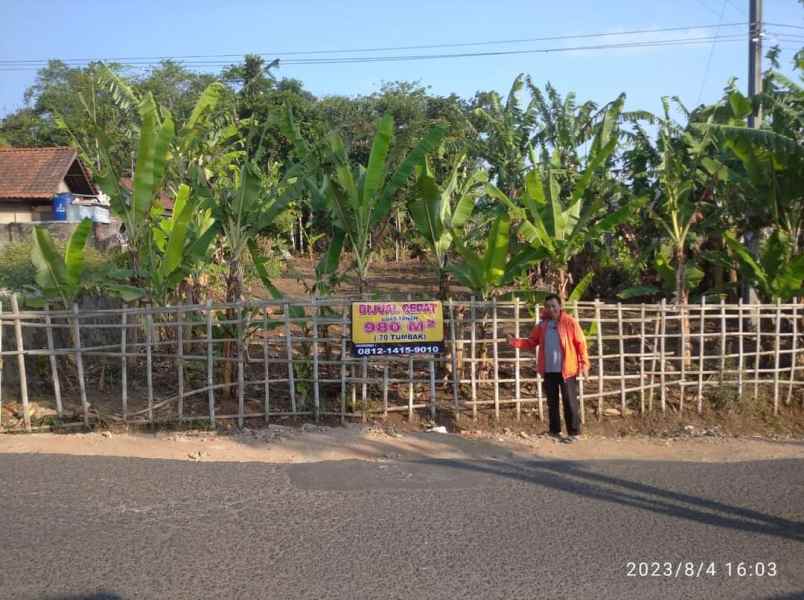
[{"x": 552, "y": 306}]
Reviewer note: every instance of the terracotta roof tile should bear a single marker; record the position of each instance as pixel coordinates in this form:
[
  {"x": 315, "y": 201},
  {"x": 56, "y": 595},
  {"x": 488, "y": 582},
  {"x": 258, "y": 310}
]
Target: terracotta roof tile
[{"x": 35, "y": 173}]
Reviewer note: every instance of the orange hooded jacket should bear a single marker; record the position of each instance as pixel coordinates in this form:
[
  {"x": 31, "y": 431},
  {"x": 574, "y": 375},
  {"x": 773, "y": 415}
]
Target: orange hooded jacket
[{"x": 573, "y": 345}]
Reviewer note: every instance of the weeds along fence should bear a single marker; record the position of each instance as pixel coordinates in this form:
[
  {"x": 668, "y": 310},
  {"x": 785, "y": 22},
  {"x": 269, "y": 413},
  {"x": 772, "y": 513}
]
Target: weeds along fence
[{"x": 263, "y": 360}]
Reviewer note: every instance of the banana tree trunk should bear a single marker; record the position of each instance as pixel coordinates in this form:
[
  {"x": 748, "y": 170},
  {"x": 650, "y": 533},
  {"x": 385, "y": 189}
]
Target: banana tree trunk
[
  {"x": 682, "y": 299},
  {"x": 234, "y": 293}
]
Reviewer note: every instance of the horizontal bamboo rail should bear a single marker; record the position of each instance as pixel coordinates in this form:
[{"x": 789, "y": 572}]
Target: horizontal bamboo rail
[{"x": 168, "y": 364}]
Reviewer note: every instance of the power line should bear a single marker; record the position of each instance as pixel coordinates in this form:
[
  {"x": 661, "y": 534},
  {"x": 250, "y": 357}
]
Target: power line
[
  {"x": 709, "y": 58},
  {"x": 419, "y": 57},
  {"x": 20, "y": 62}
]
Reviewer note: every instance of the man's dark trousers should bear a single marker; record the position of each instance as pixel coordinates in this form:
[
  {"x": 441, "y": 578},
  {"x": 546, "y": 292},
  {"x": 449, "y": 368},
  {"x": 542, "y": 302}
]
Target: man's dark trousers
[{"x": 553, "y": 382}]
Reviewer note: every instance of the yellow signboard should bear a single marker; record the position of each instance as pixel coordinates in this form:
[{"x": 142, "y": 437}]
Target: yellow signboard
[{"x": 389, "y": 328}]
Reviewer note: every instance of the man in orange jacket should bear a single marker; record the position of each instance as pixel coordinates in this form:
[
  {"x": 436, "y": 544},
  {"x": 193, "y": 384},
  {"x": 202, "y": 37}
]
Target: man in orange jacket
[{"x": 562, "y": 356}]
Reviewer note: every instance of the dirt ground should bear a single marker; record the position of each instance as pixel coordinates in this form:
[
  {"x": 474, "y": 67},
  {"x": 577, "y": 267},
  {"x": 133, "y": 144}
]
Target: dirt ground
[{"x": 378, "y": 442}]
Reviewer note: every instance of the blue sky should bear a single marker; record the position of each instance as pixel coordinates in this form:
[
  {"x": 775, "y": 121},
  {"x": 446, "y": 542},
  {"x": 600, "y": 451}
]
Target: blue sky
[{"x": 38, "y": 29}]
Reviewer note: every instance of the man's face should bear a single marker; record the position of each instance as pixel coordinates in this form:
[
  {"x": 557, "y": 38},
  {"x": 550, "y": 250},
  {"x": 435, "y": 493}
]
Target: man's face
[{"x": 553, "y": 308}]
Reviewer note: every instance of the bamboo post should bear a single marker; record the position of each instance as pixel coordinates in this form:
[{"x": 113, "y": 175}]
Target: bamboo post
[
  {"x": 410, "y": 389},
  {"x": 1, "y": 366},
  {"x": 79, "y": 361},
  {"x": 473, "y": 348},
  {"x": 580, "y": 378},
  {"x": 289, "y": 348},
  {"x": 316, "y": 388},
  {"x": 210, "y": 366},
  {"x": 793, "y": 354},
  {"x": 684, "y": 326},
  {"x": 26, "y": 415},
  {"x": 149, "y": 376},
  {"x": 455, "y": 375},
  {"x": 496, "y": 362},
  {"x": 656, "y": 324},
  {"x": 642, "y": 359},
  {"x": 539, "y": 398},
  {"x": 701, "y": 353},
  {"x": 266, "y": 367},
  {"x": 241, "y": 357},
  {"x": 124, "y": 364},
  {"x": 757, "y": 353},
  {"x": 662, "y": 366},
  {"x": 344, "y": 330},
  {"x": 776, "y": 357},
  {"x": 364, "y": 387},
  {"x": 517, "y": 394},
  {"x": 740, "y": 348},
  {"x": 432, "y": 389},
  {"x": 722, "y": 338},
  {"x": 180, "y": 360},
  {"x": 599, "y": 325},
  {"x": 54, "y": 366},
  {"x": 385, "y": 391},
  {"x": 622, "y": 356}
]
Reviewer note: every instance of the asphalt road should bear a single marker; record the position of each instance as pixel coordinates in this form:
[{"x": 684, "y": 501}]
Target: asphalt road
[{"x": 115, "y": 528}]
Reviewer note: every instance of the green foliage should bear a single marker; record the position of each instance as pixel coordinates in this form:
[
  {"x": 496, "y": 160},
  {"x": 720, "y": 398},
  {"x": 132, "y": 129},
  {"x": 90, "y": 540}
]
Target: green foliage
[
  {"x": 58, "y": 276},
  {"x": 485, "y": 272},
  {"x": 777, "y": 272}
]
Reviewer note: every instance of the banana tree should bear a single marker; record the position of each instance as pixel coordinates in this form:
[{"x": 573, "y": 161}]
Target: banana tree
[
  {"x": 59, "y": 277},
  {"x": 440, "y": 213},
  {"x": 485, "y": 272},
  {"x": 360, "y": 198},
  {"x": 778, "y": 272},
  {"x": 505, "y": 129},
  {"x": 554, "y": 215}
]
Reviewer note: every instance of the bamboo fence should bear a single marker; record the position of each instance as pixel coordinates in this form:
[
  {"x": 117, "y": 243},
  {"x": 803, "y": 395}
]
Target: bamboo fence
[{"x": 261, "y": 360}]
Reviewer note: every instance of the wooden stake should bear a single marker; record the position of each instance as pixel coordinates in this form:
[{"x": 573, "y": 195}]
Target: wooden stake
[
  {"x": 517, "y": 393},
  {"x": 385, "y": 391},
  {"x": 757, "y": 354},
  {"x": 776, "y": 358},
  {"x": 241, "y": 358},
  {"x": 79, "y": 361},
  {"x": 536, "y": 321},
  {"x": 124, "y": 364},
  {"x": 316, "y": 390},
  {"x": 472, "y": 366},
  {"x": 496, "y": 362},
  {"x": 701, "y": 353},
  {"x": 289, "y": 348},
  {"x": 344, "y": 330},
  {"x": 266, "y": 367},
  {"x": 642, "y": 359},
  {"x": 364, "y": 387},
  {"x": 26, "y": 415},
  {"x": 663, "y": 391},
  {"x": 54, "y": 366},
  {"x": 432, "y": 389},
  {"x": 581, "y": 401},
  {"x": 656, "y": 325},
  {"x": 793, "y": 354},
  {"x": 622, "y": 357},
  {"x": 180, "y": 360},
  {"x": 1, "y": 366},
  {"x": 684, "y": 324},
  {"x": 600, "y": 374},
  {"x": 210, "y": 365},
  {"x": 149, "y": 376},
  {"x": 722, "y": 339},
  {"x": 454, "y": 353},
  {"x": 740, "y": 349},
  {"x": 410, "y": 389}
]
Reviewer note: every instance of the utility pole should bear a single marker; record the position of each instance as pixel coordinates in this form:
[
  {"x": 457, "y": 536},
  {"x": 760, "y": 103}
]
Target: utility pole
[
  {"x": 752, "y": 238},
  {"x": 755, "y": 58}
]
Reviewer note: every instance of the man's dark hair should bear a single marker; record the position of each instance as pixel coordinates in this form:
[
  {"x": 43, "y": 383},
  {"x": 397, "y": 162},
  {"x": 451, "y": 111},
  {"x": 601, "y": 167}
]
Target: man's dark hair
[{"x": 555, "y": 297}]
